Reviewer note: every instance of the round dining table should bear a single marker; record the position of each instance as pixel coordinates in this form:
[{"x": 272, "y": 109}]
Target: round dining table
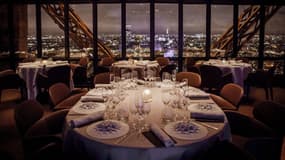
[
  {"x": 135, "y": 144},
  {"x": 239, "y": 69},
  {"x": 28, "y": 71}
]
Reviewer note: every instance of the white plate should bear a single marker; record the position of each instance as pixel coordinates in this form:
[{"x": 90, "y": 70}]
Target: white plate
[
  {"x": 88, "y": 107},
  {"x": 193, "y": 130},
  {"x": 107, "y": 129}
]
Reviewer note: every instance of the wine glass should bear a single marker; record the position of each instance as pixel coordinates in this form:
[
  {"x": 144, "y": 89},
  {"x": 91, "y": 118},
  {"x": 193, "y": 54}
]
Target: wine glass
[
  {"x": 175, "y": 105},
  {"x": 165, "y": 98},
  {"x": 166, "y": 76},
  {"x": 173, "y": 76}
]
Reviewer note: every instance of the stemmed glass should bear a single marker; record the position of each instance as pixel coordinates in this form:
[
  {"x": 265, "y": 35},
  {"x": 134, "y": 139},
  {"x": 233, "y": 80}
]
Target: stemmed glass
[
  {"x": 143, "y": 109},
  {"x": 173, "y": 76},
  {"x": 175, "y": 100},
  {"x": 165, "y": 98}
]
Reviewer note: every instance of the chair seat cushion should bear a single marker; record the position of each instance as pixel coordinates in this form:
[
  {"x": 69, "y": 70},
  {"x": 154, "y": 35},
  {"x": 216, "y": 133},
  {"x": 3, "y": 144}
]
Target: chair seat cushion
[{"x": 221, "y": 102}]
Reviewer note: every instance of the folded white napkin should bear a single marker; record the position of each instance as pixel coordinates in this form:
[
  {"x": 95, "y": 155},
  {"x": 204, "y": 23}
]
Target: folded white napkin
[
  {"x": 206, "y": 112},
  {"x": 140, "y": 82},
  {"x": 81, "y": 121},
  {"x": 197, "y": 94},
  {"x": 89, "y": 98},
  {"x": 103, "y": 85},
  {"x": 162, "y": 136}
]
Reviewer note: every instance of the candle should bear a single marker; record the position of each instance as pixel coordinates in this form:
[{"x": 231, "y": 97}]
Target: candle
[{"x": 147, "y": 96}]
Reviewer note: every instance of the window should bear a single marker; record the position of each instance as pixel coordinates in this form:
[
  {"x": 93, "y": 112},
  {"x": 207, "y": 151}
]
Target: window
[
  {"x": 194, "y": 26},
  {"x": 221, "y": 21},
  {"x": 274, "y": 38},
  {"x": 166, "y": 30},
  {"x": 31, "y": 38},
  {"x": 250, "y": 47},
  {"x": 84, "y": 11},
  {"x": 109, "y": 27},
  {"x": 137, "y": 30},
  {"x": 52, "y": 36}
]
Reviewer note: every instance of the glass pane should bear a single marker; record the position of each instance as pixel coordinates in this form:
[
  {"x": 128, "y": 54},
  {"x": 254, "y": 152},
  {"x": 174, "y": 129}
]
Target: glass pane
[
  {"x": 84, "y": 11},
  {"x": 137, "y": 25},
  {"x": 166, "y": 30},
  {"x": 274, "y": 39},
  {"x": 194, "y": 26},
  {"x": 250, "y": 47},
  {"x": 31, "y": 38},
  {"x": 52, "y": 37},
  {"x": 109, "y": 27},
  {"x": 220, "y": 23}
]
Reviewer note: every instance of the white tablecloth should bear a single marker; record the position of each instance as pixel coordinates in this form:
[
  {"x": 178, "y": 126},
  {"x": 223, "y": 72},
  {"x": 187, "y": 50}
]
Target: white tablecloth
[
  {"x": 239, "y": 70},
  {"x": 77, "y": 141},
  {"x": 144, "y": 67},
  {"x": 28, "y": 71}
]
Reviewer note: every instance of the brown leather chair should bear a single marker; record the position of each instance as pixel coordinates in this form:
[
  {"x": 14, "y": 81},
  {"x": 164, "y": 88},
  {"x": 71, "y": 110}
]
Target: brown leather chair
[
  {"x": 103, "y": 78},
  {"x": 12, "y": 87},
  {"x": 229, "y": 97},
  {"x": 62, "y": 97},
  {"x": 26, "y": 114},
  {"x": 213, "y": 78},
  {"x": 262, "y": 79},
  {"x": 272, "y": 114},
  {"x": 162, "y": 61},
  {"x": 106, "y": 61},
  {"x": 194, "y": 79}
]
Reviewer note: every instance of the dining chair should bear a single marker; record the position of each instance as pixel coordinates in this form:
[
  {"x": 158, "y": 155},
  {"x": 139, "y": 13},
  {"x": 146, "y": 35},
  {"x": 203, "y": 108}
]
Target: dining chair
[
  {"x": 80, "y": 79},
  {"x": 62, "y": 97},
  {"x": 26, "y": 114},
  {"x": 229, "y": 97},
  {"x": 194, "y": 79},
  {"x": 213, "y": 78},
  {"x": 221, "y": 150},
  {"x": 162, "y": 61},
  {"x": 12, "y": 87},
  {"x": 102, "y": 78},
  {"x": 168, "y": 68},
  {"x": 106, "y": 61},
  {"x": 254, "y": 136},
  {"x": 262, "y": 79},
  {"x": 43, "y": 132},
  {"x": 272, "y": 114}
]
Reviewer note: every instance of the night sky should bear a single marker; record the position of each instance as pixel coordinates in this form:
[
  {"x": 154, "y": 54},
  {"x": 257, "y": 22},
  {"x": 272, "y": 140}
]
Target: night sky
[{"x": 166, "y": 17}]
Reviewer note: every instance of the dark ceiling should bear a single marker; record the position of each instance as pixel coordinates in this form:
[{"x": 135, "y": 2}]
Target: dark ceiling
[{"x": 278, "y": 2}]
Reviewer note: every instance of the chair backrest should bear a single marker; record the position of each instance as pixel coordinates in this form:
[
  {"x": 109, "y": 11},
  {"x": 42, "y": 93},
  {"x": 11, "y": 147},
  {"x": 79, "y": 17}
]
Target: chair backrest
[
  {"x": 232, "y": 92},
  {"x": 168, "y": 68},
  {"x": 107, "y": 61},
  {"x": 211, "y": 76},
  {"x": 272, "y": 114},
  {"x": 59, "y": 74},
  {"x": 83, "y": 61},
  {"x": 58, "y": 92},
  {"x": 103, "y": 78},
  {"x": 79, "y": 75},
  {"x": 26, "y": 114},
  {"x": 246, "y": 126},
  {"x": 11, "y": 80},
  {"x": 194, "y": 79},
  {"x": 7, "y": 72},
  {"x": 162, "y": 61},
  {"x": 51, "y": 124}
]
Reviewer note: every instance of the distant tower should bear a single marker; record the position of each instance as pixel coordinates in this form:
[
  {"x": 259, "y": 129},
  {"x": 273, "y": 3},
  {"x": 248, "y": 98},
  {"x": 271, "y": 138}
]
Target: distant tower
[
  {"x": 128, "y": 30},
  {"x": 167, "y": 31}
]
